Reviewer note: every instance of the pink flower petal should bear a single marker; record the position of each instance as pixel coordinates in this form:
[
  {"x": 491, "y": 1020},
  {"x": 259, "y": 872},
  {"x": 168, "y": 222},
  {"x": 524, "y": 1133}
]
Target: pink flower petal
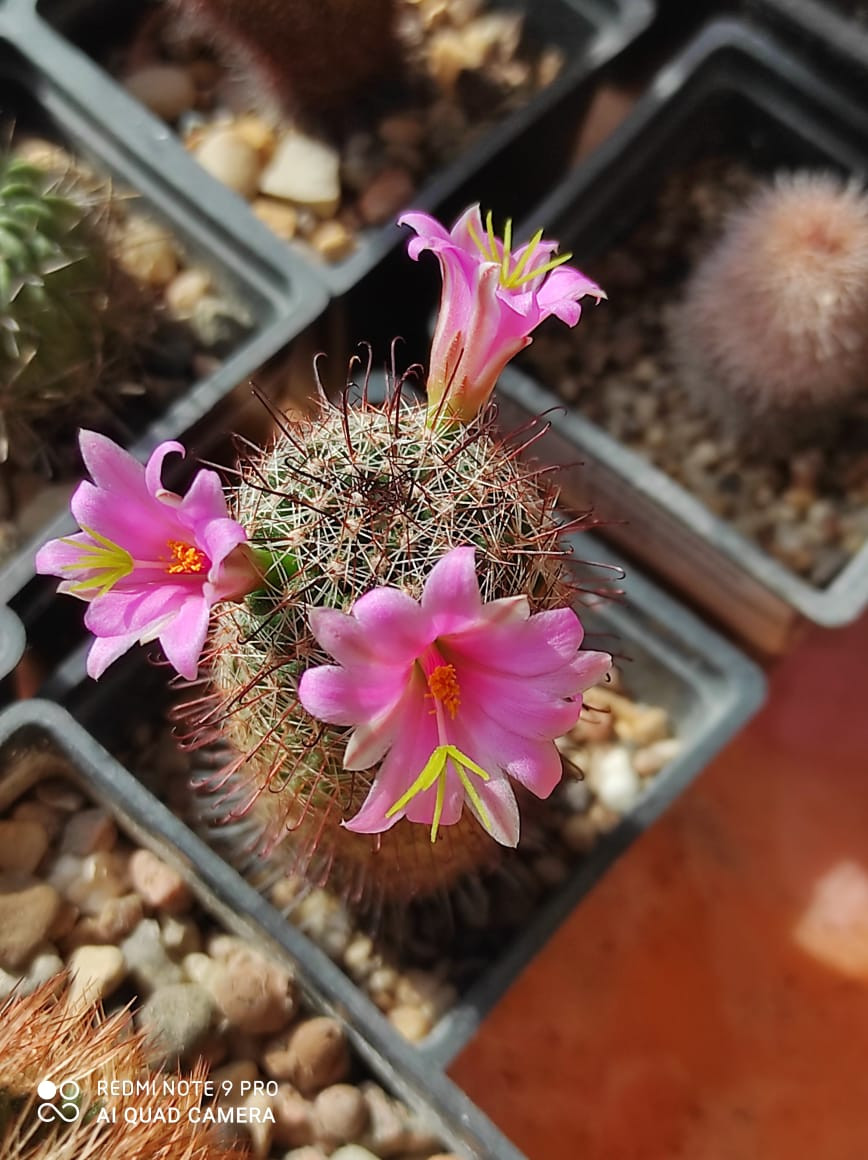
[
  {"x": 405, "y": 761},
  {"x": 335, "y": 695},
  {"x": 536, "y": 645},
  {"x": 154, "y": 466},
  {"x": 451, "y": 597},
  {"x": 204, "y": 501},
  {"x": 110, "y": 467},
  {"x": 372, "y": 739},
  {"x": 421, "y": 809},
  {"x": 184, "y": 637},
  {"x": 395, "y": 622},
  {"x": 343, "y": 637},
  {"x": 105, "y": 650}
]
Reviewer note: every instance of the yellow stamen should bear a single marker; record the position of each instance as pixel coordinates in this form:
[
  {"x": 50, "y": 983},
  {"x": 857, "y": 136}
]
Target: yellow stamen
[
  {"x": 187, "y": 559},
  {"x": 443, "y": 683},
  {"x": 435, "y": 771},
  {"x": 107, "y": 560},
  {"x": 524, "y": 270}
]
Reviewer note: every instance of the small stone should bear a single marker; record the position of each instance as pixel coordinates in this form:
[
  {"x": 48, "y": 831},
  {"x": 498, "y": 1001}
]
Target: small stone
[
  {"x": 306, "y": 171},
  {"x": 386, "y": 1134},
  {"x": 146, "y": 958},
  {"x": 308, "y": 1152},
  {"x": 313, "y": 1055},
  {"x": 89, "y": 832},
  {"x": 253, "y": 994},
  {"x": 293, "y": 1117},
  {"x": 389, "y": 192},
  {"x": 260, "y": 1128},
  {"x": 116, "y": 918},
  {"x": 411, "y": 1022},
  {"x": 59, "y": 794},
  {"x": 26, "y": 916},
  {"x": 649, "y": 760},
  {"x": 614, "y": 779},
  {"x": 167, "y": 90},
  {"x": 231, "y": 160},
  {"x": 201, "y": 968},
  {"x": 258, "y": 134},
  {"x": 359, "y": 957},
  {"x": 180, "y": 935},
  {"x": 186, "y": 290},
  {"x": 146, "y": 251},
  {"x": 575, "y": 794},
  {"x": 644, "y": 725},
  {"x": 22, "y": 845},
  {"x": 353, "y": 1152},
  {"x": 175, "y": 1020},
  {"x": 425, "y": 991},
  {"x": 100, "y": 878},
  {"x": 50, "y": 819},
  {"x": 280, "y": 217},
  {"x": 333, "y": 241},
  {"x": 160, "y": 885},
  {"x": 95, "y": 971},
  {"x": 340, "y": 1115}
]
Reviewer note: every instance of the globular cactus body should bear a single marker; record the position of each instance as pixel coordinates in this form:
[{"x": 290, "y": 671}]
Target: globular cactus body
[
  {"x": 363, "y": 497},
  {"x": 307, "y": 54},
  {"x": 772, "y": 334}
]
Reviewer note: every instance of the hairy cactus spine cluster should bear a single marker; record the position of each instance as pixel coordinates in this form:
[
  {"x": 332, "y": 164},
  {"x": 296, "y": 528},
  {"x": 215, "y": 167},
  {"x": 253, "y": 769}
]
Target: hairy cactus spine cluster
[
  {"x": 46, "y": 1037},
  {"x": 772, "y": 334},
  {"x": 361, "y": 496},
  {"x": 306, "y": 54}
]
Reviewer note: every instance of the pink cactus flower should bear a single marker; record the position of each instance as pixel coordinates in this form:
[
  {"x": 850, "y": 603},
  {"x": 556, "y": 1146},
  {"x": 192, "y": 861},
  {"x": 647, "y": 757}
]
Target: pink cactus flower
[
  {"x": 149, "y": 563},
  {"x": 453, "y": 696},
  {"x": 492, "y": 298}
]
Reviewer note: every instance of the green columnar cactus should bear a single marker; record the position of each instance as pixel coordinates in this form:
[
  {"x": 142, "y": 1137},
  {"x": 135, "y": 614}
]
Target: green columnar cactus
[
  {"x": 306, "y": 54},
  {"x": 365, "y": 497},
  {"x": 772, "y": 334}
]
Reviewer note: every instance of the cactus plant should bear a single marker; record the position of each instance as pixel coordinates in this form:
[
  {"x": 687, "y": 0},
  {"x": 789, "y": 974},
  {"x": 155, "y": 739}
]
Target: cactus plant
[
  {"x": 772, "y": 333},
  {"x": 409, "y": 544},
  {"x": 55, "y": 1055},
  {"x": 66, "y": 310},
  {"x": 305, "y": 54}
]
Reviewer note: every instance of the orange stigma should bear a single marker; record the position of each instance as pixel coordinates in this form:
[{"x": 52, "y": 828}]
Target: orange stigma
[
  {"x": 443, "y": 683},
  {"x": 187, "y": 560}
]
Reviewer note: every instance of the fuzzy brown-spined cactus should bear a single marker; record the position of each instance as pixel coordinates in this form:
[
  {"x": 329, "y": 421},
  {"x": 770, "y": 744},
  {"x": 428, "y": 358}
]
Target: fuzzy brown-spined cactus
[
  {"x": 366, "y": 496},
  {"x": 67, "y": 311},
  {"x": 772, "y": 334},
  {"x": 61, "y": 1057},
  {"x": 309, "y": 54}
]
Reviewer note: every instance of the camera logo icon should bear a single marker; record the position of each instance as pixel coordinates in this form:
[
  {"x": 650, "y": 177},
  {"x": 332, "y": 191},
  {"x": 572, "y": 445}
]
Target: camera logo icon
[{"x": 59, "y": 1101}]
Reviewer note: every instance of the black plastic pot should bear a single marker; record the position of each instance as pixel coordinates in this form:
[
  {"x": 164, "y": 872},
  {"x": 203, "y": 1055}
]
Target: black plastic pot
[
  {"x": 824, "y": 27},
  {"x": 281, "y": 297},
  {"x": 590, "y": 33},
  {"x": 708, "y": 688},
  {"x": 732, "y": 90},
  {"x": 228, "y": 899},
  {"x": 11, "y": 644}
]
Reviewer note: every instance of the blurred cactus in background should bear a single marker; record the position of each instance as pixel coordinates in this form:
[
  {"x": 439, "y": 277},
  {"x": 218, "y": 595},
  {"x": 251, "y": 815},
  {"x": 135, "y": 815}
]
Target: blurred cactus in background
[
  {"x": 772, "y": 333},
  {"x": 305, "y": 55}
]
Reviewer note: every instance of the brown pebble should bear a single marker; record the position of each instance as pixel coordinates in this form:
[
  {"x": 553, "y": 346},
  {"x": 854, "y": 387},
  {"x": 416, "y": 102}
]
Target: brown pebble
[
  {"x": 160, "y": 885},
  {"x": 340, "y": 1115},
  {"x": 88, "y": 832},
  {"x": 293, "y": 1123},
  {"x": 25, "y": 918},
  {"x": 253, "y": 994},
  {"x": 316, "y": 1054},
  {"x": 389, "y": 192},
  {"x": 114, "y": 921},
  {"x": 22, "y": 845}
]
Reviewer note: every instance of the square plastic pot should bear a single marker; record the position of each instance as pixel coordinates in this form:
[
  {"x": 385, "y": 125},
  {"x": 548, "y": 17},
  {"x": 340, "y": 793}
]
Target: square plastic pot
[
  {"x": 709, "y": 689},
  {"x": 233, "y": 904},
  {"x": 822, "y": 27},
  {"x": 729, "y": 78},
  {"x": 589, "y": 32},
  {"x": 280, "y": 297}
]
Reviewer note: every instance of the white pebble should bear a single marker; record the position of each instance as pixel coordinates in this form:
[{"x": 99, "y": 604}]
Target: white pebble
[
  {"x": 305, "y": 171},
  {"x": 230, "y": 159},
  {"x": 614, "y": 779}
]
